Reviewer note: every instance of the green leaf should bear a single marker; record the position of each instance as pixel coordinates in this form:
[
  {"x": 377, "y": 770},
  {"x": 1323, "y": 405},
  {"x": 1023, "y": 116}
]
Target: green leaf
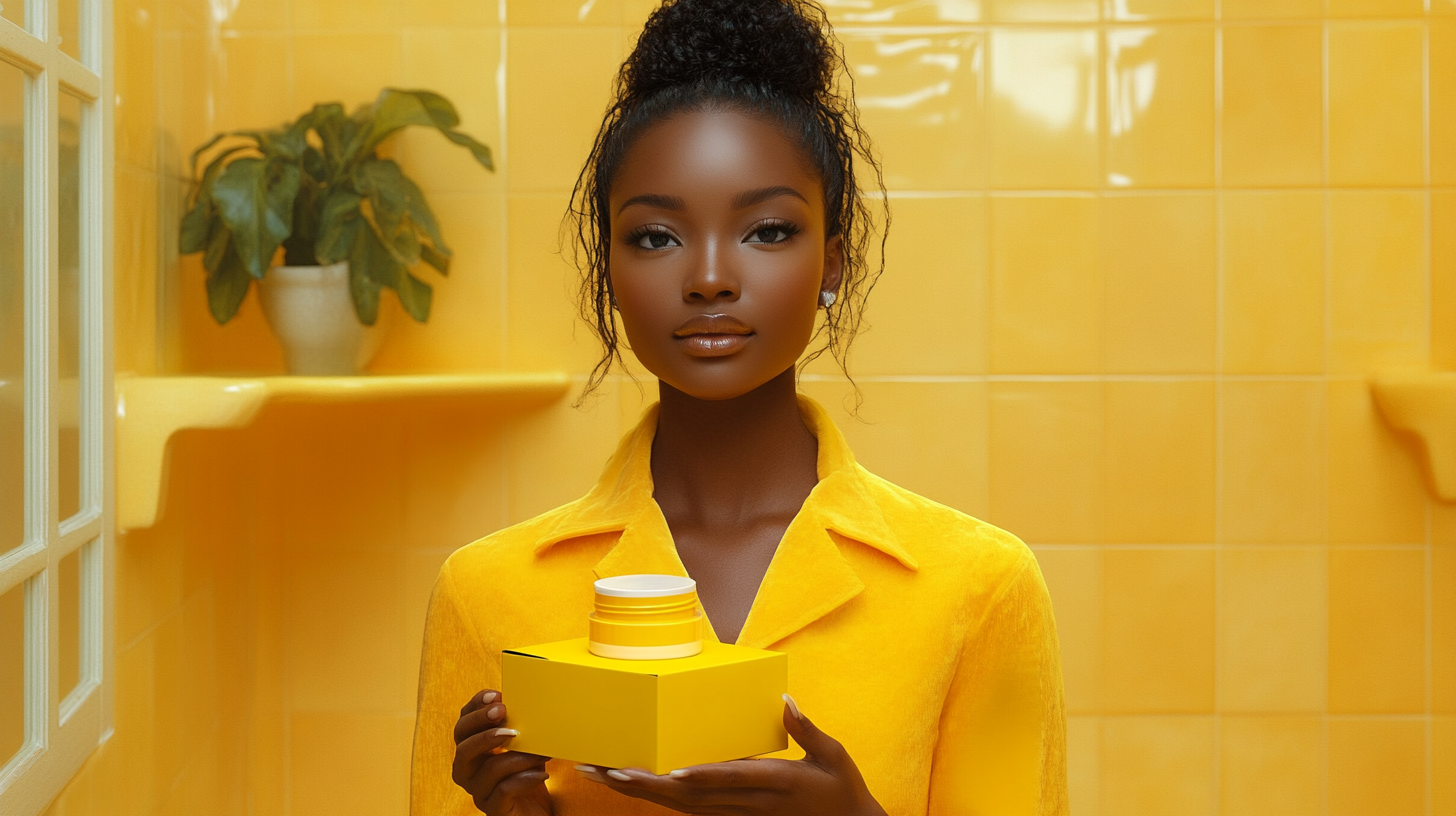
[
  {"x": 255, "y": 199},
  {"x": 378, "y": 264},
  {"x": 298, "y": 247},
  {"x": 334, "y": 131},
  {"x": 219, "y": 245},
  {"x": 423, "y": 218},
  {"x": 197, "y": 222},
  {"x": 364, "y": 290},
  {"x": 227, "y": 286},
  {"x": 396, "y": 108},
  {"x": 314, "y": 164},
  {"x": 192, "y": 160},
  {"x": 435, "y": 259},
  {"x": 339, "y": 223},
  {"x": 196, "y": 225},
  {"x": 415, "y": 295},
  {"x": 388, "y": 191},
  {"x": 478, "y": 150}
]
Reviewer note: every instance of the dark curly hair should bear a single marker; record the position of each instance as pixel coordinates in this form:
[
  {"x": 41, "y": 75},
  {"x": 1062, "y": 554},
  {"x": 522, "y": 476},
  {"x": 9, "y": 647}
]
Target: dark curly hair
[{"x": 772, "y": 58}]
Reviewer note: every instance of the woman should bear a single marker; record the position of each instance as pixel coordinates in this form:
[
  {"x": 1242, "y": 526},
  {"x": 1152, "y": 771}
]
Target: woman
[{"x": 718, "y": 216}]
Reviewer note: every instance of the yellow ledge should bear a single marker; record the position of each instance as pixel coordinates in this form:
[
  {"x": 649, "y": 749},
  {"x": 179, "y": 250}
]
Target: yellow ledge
[
  {"x": 149, "y": 410},
  {"x": 1424, "y": 404}
]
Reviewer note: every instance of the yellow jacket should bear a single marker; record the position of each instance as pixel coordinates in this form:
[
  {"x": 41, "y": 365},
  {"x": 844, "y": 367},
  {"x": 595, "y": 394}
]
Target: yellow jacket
[{"x": 918, "y": 636}]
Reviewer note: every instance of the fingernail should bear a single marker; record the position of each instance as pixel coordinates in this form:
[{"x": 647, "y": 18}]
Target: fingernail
[
  {"x": 680, "y": 772},
  {"x": 586, "y": 769},
  {"x": 489, "y": 697},
  {"x": 507, "y": 732},
  {"x": 619, "y": 776},
  {"x": 495, "y": 712},
  {"x": 793, "y": 707}
]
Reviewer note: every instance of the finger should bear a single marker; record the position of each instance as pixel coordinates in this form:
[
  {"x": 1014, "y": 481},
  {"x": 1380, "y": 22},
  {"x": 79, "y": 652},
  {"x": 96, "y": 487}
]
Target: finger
[
  {"x": 636, "y": 791},
  {"x": 517, "y": 784},
  {"x": 496, "y": 767},
  {"x": 817, "y": 745},
  {"x": 685, "y": 793},
  {"x": 761, "y": 774},
  {"x": 481, "y": 698},
  {"x": 490, "y": 715},
  {"x": 475, "y": 749}
]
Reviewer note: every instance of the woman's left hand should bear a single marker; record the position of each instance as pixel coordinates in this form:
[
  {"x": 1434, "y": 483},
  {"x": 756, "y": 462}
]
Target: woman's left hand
[{"x": 826, "y": 781}]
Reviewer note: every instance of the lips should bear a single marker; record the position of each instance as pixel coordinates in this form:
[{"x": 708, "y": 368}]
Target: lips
[{"x": 713, "y": 335}]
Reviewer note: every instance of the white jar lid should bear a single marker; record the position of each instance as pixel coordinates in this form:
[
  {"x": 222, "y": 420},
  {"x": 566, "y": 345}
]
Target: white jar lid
[{"x": 645, "y": 586}]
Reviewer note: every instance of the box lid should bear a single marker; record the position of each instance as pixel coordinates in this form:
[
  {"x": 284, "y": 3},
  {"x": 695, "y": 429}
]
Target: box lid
[{"x": 713, "y": 654}]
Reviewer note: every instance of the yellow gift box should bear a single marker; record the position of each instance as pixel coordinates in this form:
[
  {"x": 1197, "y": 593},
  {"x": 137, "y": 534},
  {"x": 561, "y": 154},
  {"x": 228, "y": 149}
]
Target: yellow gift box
[{"x": 726, "y": 702}]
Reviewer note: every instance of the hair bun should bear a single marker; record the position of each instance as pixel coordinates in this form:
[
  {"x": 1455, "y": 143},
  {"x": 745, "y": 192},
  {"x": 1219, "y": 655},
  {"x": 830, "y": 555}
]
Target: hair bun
[{"x": 777, "y": 45}]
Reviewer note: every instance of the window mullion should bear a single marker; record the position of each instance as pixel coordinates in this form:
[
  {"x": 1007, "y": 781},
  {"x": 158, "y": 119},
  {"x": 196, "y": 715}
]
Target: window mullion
[{"x": 50, "y": 347}]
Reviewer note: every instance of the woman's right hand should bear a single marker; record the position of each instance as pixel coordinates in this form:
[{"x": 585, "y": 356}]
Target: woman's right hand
[{"x": 508, "y": 783}]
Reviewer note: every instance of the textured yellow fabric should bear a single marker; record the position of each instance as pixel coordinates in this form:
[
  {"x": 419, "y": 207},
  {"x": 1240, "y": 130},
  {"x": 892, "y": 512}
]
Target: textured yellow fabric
[{"x": 918, "y": 636}]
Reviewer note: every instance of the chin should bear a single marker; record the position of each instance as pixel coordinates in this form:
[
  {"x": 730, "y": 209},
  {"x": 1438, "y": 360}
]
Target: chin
[{"x": 716, "y": 381}]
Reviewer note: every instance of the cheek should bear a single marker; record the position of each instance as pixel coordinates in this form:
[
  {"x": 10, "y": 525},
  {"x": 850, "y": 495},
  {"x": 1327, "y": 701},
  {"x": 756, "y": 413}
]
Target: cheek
[
  {"x": 788, "y": 292},
  {"x": 643, "y": 300}
]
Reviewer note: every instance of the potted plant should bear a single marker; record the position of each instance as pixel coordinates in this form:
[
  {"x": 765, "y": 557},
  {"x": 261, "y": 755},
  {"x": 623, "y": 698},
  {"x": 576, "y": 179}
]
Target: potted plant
[{"x": 349, "y": 221}]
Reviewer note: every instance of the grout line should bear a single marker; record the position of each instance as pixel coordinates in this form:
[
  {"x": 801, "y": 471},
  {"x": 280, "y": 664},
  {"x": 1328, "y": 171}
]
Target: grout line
[
  {"x": 1089, "y": 378},
  {"x": 1219, "y": 362}
]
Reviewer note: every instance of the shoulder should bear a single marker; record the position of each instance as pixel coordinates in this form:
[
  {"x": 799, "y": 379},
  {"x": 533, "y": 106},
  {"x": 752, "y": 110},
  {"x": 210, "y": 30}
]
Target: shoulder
[
  {"x": 507, "y": 549},
  {"x": 943, "y": 539}
]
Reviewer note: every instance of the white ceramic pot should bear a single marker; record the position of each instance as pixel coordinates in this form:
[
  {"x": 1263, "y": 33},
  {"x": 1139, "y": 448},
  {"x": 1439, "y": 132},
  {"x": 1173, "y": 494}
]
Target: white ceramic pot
[{"x": 312, "y": 314}]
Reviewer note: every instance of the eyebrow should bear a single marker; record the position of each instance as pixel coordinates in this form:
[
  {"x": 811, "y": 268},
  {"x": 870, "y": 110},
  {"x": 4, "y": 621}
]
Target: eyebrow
[
  {"x": 744, "y": 199},
  {"x": 662, "y": 202},
  {"x": 750, "y": 197}
]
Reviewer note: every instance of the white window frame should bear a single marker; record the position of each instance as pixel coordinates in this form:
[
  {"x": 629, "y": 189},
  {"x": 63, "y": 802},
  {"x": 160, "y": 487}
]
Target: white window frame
[{"x": 62, "y": 733}]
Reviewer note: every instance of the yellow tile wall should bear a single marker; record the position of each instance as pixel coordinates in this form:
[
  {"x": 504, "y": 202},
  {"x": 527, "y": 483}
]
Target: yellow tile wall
[{"x": 1146, "y": 253}]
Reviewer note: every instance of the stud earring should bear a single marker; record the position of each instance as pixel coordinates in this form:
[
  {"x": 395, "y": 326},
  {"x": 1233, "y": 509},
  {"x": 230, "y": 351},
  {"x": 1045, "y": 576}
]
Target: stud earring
[{"x": 827, "y": 298}]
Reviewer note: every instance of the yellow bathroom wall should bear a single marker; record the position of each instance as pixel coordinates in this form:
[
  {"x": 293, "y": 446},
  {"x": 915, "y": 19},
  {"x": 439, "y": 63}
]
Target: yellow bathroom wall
[{"x": 1145, "y": 255}]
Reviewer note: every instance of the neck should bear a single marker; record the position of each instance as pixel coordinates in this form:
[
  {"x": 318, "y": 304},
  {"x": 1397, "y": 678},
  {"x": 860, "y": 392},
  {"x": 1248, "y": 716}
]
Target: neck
[{"x": 734, "y": 460}]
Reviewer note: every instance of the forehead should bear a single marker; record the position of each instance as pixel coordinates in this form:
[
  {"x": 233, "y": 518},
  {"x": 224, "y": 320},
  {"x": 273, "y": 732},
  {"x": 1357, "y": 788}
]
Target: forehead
[{"x": 696, "y": 154}]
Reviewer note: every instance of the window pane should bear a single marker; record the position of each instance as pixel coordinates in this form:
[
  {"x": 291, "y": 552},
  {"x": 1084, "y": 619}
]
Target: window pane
[
  {"x": 69, "y": 669},
  {"x": 14, "y": 11},
  {"x": 70, "y": 27},
  {"x": 12, "y": 672},
  {"x": 12, "y": 306},
  {"x": 68, "y": 407}
]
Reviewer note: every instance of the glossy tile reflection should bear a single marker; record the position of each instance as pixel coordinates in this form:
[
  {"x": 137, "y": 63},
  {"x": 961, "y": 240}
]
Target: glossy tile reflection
[
  {"x": 1043, "y": 108},
  {"x": 920, "y": 98},
  {"x": 903, "y": 12},
  {"x": 1160, "y": 107}
]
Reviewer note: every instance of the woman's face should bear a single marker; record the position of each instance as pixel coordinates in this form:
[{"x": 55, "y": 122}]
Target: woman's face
[{"x": 718, "y": 252}]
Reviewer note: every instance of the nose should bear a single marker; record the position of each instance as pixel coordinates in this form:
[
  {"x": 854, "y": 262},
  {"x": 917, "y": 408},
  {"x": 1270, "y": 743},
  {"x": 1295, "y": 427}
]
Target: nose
[{"x": 713, "y": 276}]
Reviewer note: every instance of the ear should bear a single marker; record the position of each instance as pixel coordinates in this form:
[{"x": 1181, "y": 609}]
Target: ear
[{"x": 833, "y": 264}]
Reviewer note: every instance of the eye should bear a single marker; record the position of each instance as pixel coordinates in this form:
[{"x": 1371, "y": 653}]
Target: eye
[
  {"x": 775, "y": 232},
  {"x": 653, "y": 237}
]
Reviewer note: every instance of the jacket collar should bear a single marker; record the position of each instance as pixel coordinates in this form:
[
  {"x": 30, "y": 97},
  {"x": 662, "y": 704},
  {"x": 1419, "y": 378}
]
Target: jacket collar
[{"x": 808, "y": 577}]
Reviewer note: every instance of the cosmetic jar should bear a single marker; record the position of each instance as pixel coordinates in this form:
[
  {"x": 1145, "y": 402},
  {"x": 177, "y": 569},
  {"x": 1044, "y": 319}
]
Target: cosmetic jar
[{"x": 646, "y": 617}]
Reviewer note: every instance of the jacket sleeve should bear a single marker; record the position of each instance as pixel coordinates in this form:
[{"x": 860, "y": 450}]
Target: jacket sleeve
[
  {"x": 1002, "y": 744},
  {"x": 453, "y": 667}
]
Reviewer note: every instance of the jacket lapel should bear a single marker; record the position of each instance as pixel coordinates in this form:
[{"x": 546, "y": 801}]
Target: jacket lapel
[
  {"x": 807, "y": 579},
  {"x": 645, "y": 547}
]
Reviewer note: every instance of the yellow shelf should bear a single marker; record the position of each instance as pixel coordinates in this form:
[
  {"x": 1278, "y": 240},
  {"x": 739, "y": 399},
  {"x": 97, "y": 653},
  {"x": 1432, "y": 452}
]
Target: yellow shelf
[
  {"x": 149, "y": 410},
  {"x": 1424, "y": 404}
]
